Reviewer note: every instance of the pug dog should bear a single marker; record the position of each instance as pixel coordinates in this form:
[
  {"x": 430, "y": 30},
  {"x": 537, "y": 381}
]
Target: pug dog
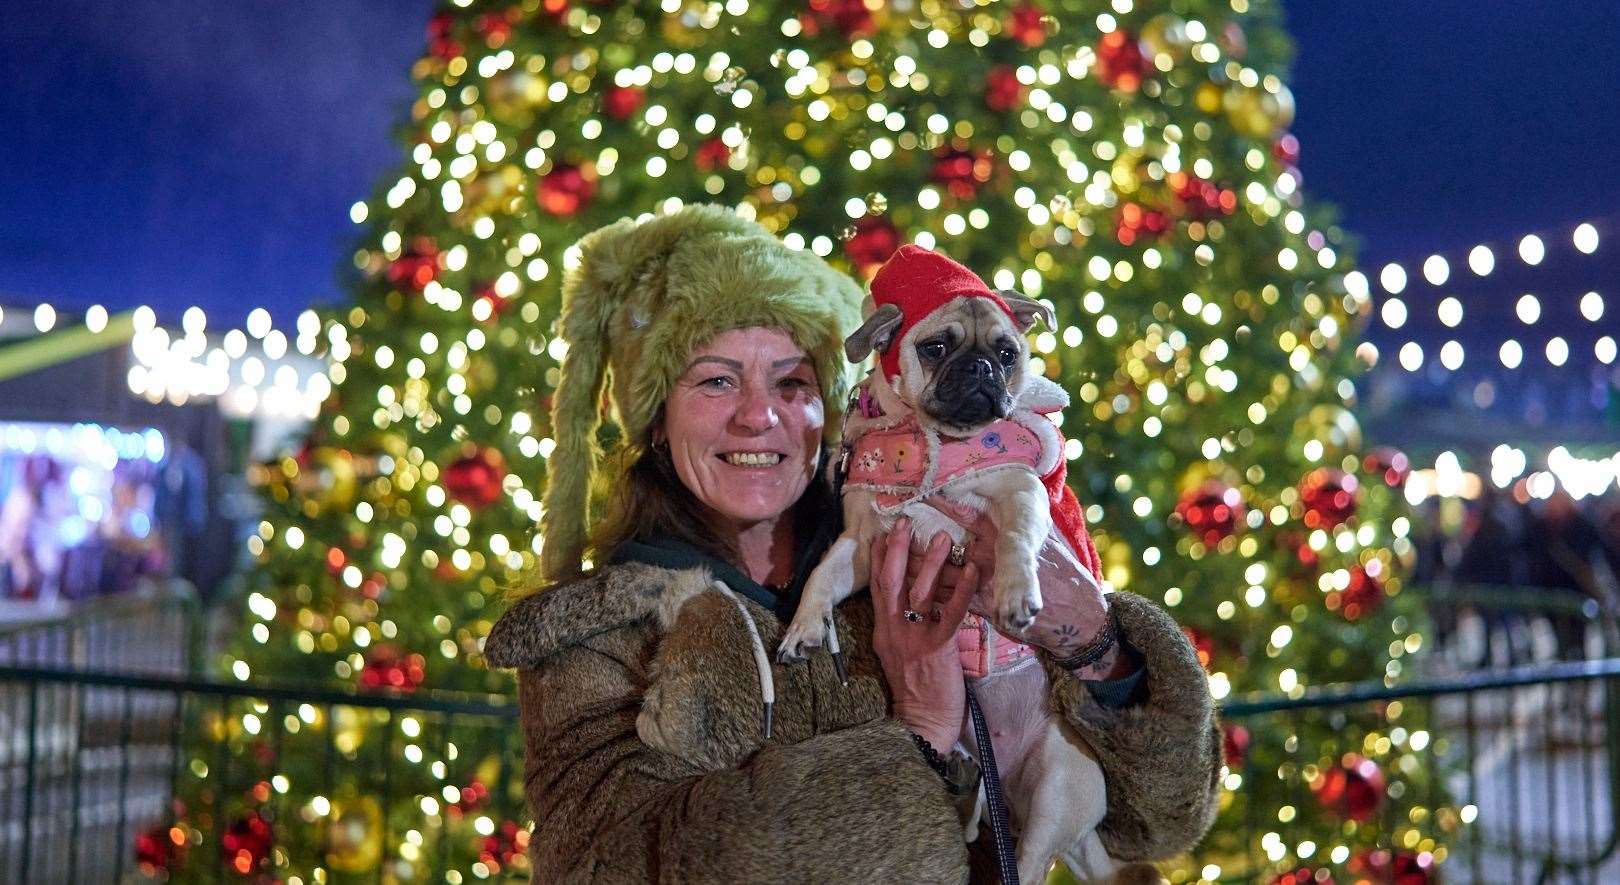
[{"x": 952, "y": 424}]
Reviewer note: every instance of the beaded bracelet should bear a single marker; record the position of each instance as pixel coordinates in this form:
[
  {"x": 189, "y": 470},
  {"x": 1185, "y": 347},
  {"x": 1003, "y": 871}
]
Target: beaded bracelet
[
  {"x": 930, "y": 755},
  {"x": 959, "y": 772}
]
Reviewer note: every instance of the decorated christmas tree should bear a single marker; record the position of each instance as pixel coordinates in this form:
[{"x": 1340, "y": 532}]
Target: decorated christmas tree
[{"x": 1129, "y": 162}]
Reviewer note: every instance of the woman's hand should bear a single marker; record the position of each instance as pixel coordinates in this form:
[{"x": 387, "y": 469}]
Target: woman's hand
[
  {"x": 919, "y": 657},
  {"x": 1074, "y": 608}
]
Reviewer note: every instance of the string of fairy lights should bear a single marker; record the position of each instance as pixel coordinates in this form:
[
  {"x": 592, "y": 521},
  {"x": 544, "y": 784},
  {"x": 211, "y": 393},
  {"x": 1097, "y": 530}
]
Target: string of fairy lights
[
  {"x": 1520, "y": 345},
  {"x": 256, "y": 370}
]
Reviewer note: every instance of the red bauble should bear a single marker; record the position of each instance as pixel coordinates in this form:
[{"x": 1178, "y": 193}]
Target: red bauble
[
  {"x": 1202, "y": 645},
  {"x": 1301, "y": 876},
  {"x": 962, "y": 172},
  {"x": 387, "y": 667},
  {"x": 1286, "y": 148},
  {"x": 506, "y": 844},
  {"x": 1121, "y": 63},
  {"x": 1364, "y": 595},
  {"x": 475, "y": 478},
  {"x": 1329, "y": 496},
  {"x": 494, "y": 28},
  {"x": 497, "y": 304},
  {"x": 874, "y": 240},
  {"x": 246, "y": 843},
  {"x": 1212, "y": 511},
  {"x": 159, "y": 850},
  {"x": 1235, "y": 746},
  {"x": 416, "y": 266},
  {"x": 1354, "y": 789},
  {"x": 1389, "y": 464},
  {"x": 1024, "y": 25},
  {"x": 711, "y": 155},
  {"x": 440, "y": 43},
  {"x": 1395, "y": 868},
  {"x": 851, "y": 18},
  {"x": 1002, "y": 91},
  {"x": 621, "y": 102},
  {"x": 473, "y": 797},
  {"x": 1132, "y": 222},
  {"x": 565, "y": 190},
  {"x": 1199, "y": 198}
]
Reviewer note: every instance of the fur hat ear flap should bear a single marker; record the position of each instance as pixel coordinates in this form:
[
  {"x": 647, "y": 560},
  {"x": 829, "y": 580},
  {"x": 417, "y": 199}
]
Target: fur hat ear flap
[
  {"x": 877, "y": 333},
  {"x": 575, "y": 418},
  {"x": 1027, "y": 310}
]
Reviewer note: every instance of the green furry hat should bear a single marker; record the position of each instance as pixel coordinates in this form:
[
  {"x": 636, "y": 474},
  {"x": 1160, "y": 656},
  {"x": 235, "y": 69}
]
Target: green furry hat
[{"x": 641, "y": 297}]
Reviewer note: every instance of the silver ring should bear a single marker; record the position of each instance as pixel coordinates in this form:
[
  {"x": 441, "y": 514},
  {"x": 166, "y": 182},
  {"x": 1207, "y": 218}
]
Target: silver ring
[
  {"x": 958, "y": 555},
  {"x": 913, "y": 617}
]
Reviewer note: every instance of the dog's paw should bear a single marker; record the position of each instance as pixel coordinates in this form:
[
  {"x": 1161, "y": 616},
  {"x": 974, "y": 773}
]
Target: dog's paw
[
  {"x": 1018, "y": 601},
  {"x": 798, "y": 640}
]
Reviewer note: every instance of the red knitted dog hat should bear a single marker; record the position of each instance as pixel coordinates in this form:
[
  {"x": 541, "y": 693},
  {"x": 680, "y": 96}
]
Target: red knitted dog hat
[{"x": 919, "y": 281}]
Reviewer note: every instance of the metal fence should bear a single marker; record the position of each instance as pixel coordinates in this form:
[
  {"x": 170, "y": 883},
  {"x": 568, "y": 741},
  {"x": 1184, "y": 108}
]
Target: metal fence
[
  {"x": 1517, "y": 782},
  {"x": 1519, "y": 767},
  {"x": 154, "y": 629},
  {"x": 91, "y": 762}
]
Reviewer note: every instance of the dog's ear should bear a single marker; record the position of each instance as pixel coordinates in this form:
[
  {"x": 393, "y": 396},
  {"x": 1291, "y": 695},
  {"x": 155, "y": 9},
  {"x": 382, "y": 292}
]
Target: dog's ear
[
  {"x": 877, "y": 333},
  {"x": 1027, "y": 310}
]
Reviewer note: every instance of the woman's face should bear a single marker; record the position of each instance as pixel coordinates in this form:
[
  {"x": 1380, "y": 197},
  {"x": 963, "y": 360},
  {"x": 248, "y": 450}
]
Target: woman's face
[{"x": 744, "y": 424}]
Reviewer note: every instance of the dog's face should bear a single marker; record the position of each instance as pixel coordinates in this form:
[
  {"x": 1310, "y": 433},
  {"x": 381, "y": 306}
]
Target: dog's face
[{"x": 962, "y": 366}]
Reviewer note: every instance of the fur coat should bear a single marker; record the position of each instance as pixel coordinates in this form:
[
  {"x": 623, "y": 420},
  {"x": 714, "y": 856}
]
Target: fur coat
[{"x": 693, "y": 793}]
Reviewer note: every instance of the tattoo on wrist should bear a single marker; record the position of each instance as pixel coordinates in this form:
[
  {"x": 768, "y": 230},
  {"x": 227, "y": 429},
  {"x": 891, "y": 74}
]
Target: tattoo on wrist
[
  {"x": 1095, "y": 651},
  {"x": 1068, "y": 636}
]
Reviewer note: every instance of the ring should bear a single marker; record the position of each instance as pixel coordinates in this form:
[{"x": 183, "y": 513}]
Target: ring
[
  {"x": 913, "y": 617},
  {"x": 958, "y": 555}
]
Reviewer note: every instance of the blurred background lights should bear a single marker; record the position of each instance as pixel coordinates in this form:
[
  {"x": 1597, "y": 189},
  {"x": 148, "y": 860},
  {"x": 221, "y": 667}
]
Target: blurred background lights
[
  {"x": 95, "y": 319},
  {"x": 1481, "y": 260},
  {"x": 1393, "y": 312},
  {"x": 1528, "y": 308},
  {"x": 1557, "y": 351},
  {"x": 1451, "y": 355},
  {"x": 1392, "y": 278},
  {"x": 44, "y": 317},
  {"x": 1411, "y": 356},
  {"x": 1585, "y": 238},
  {"x": 1532, "y": 250},
  {"x": 1450, "y": 311},
  {"x": 1592, "y": 306},
  {"x": 1604, "y": 350},
  {"x": 1511, "y": 353},
  {"x": 1436, "y": 270}
]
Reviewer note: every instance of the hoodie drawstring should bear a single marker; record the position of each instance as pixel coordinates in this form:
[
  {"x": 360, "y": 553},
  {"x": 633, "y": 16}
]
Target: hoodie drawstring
[{"x": 762, "y": 661}]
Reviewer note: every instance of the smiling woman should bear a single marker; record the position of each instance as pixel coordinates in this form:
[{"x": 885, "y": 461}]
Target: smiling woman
[{"x": 662, "y": 741}]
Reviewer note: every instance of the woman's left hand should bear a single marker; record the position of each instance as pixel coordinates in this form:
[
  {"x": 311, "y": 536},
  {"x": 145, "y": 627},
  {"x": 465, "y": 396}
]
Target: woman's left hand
[{"x": 1074, "y": 608}]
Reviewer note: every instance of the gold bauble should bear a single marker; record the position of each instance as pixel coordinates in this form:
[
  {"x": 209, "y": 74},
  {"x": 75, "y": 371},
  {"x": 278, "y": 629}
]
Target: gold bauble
[
  {"x": 355, "y": 831},
  {"x": 1257, "y": 113},
  {"x": 1165, "y": 34}
]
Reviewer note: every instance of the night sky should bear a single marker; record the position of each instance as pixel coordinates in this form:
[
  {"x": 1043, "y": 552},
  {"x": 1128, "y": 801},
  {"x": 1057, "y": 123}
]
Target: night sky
[{"x": 174, "y": 153}]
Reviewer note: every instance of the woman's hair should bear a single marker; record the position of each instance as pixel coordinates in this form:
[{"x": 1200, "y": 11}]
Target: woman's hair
[{"x": 651, "y": 501}]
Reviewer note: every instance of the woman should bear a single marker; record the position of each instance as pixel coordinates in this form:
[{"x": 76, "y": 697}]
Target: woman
[{"x": 662, "y": 743}]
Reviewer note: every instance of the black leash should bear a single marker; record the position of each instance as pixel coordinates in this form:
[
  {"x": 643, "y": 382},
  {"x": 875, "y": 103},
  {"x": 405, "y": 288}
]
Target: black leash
[{"x": 996, "y": 803}]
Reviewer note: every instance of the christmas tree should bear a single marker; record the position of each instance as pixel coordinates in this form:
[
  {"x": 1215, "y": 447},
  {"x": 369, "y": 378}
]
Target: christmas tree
[{"x": 1128, "y": 162}]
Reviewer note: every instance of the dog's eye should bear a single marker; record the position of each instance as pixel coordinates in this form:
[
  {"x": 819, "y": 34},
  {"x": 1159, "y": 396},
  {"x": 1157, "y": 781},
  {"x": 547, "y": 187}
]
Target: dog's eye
[
  {"x": 931, "y": 350},
  {"x": 1008, "y": 357}
]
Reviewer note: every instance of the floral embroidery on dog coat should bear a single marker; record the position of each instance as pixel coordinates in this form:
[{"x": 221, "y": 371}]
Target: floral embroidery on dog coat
[{"x": 894, "y": 463}]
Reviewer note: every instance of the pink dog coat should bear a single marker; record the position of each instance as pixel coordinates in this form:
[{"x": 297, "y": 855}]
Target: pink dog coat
[{"x": 902, "y": 465}]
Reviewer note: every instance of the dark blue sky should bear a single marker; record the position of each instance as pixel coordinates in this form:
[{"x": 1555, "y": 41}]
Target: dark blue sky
[{"x": 173, "y": 152}]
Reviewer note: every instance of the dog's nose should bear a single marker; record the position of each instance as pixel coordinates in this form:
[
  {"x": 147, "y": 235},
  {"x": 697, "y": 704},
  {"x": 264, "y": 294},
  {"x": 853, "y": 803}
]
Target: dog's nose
[{"x": 981, "y": 368}]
